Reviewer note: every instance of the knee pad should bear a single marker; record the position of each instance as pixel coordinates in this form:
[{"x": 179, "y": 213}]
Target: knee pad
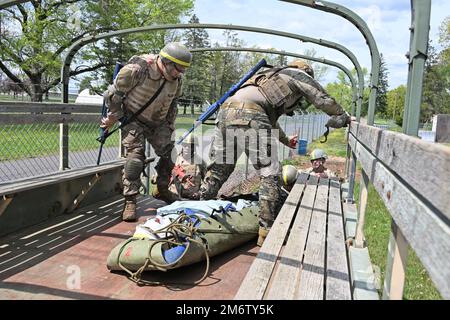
[{"x": 133, "y": 169}]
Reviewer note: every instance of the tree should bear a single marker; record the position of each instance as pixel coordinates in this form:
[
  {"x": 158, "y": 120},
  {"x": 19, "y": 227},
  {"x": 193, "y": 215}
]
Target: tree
[
  {"x": 396, "y": 104},
  {"x": 231, "y": 68},
  {"x": 383, "y": 86},
  {"x": 197, "y": 80},
  {"x": 320, "y": 69},
  {"x": 342, "y": 91},
  {"x": 86, "y": 83},
  {"x": 436, "y": 84},
  {"x": 34, "y": 36},
  {"x": 444, "y": 40}
]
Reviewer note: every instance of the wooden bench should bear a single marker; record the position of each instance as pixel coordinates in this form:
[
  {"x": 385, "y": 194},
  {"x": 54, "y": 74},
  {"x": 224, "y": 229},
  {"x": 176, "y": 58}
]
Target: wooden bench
[{"x": 304, "y": 256}]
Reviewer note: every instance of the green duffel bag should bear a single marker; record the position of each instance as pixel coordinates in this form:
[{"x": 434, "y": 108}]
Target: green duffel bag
[{"x": 190, "y": 238}]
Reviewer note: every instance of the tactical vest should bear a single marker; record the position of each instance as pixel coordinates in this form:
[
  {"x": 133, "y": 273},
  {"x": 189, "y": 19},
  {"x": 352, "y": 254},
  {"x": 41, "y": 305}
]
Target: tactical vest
[
  {"x": 281, "y": 94},
  {"x": 148, "y": 79},
  {"x": 271, "y": 86}
]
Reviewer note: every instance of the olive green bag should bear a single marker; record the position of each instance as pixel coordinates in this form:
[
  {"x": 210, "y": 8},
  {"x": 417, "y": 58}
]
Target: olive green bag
[{"x": 189, "y": 241}]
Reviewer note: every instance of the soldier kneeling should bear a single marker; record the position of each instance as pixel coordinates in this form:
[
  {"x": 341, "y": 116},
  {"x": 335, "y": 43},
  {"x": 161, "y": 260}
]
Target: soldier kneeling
[{"x": 186, "y": 177}]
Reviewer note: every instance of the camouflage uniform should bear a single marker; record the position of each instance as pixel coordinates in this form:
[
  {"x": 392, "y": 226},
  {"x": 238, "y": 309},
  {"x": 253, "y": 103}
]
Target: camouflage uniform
[
  {"x": 194, "y": 169},
  {"x": 253, "y": 112},
  {"x": 137, "y": 82}
]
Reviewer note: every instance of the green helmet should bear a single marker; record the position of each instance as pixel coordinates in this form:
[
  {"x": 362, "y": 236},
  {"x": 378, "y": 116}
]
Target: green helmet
[
  {"x": 290, "y": 174},
  {"x": 317, "y": 154},
  {"x": 178, "y": 53}
]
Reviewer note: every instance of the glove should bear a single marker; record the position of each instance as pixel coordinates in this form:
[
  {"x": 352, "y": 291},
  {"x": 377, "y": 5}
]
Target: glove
[
  {"x": 339, "y": 121},
  {"x": 293, "y": 141},
  {"x": 109, "y": 121}
]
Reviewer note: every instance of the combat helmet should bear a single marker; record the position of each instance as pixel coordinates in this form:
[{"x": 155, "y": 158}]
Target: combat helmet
[
  {"x": 302, "y": 65},
  {"x": 289, "y": 174},
  {"x": 318, "y": 154},
  {"x": 178, "y": 53}
]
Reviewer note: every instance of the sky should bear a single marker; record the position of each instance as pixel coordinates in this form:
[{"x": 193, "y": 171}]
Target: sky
[{"x": 388, "y": 20}]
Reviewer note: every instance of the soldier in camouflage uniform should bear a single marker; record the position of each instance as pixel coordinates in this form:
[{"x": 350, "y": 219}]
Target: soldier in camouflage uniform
[
  {"x": 189, "y": 171},
  {"x": 246, "y": 123},
  {"x": 318, "y": 158},
  {"x": 136, "y": 83}
]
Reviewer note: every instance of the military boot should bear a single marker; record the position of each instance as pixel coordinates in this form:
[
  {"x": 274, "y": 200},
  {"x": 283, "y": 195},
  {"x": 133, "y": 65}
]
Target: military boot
[
  {"x": 129, "y": 211},
  {"x": 165, "y": 195},
  {"x": 262, "y": 234}
]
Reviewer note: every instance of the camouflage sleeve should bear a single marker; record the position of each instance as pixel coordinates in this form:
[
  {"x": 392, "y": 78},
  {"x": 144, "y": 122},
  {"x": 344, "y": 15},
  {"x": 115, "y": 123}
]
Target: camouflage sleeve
[
  {"x": 173, "y": 110},
  {"x": 172, "y": 114},
  {"x": 179, "y": 89},
  {"x": 316, "y": 94},
  {"x": 282, "y": 135},
  {"x": 126, "y": 79}
]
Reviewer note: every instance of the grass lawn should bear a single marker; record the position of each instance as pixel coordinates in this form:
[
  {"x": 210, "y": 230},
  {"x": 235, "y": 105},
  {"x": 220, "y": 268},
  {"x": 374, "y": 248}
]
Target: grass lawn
[
  {"x": 418, "y": 285},
  {"x": 31, "y": 140}
]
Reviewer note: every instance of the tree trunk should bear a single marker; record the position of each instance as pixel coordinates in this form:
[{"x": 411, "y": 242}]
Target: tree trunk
[{"x": 36, "y": 88}]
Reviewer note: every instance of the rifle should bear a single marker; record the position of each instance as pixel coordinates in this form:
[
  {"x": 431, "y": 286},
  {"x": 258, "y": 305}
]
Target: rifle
[
  {"x": 213, "y": 108},
  {"x": 103, "y": 131}
]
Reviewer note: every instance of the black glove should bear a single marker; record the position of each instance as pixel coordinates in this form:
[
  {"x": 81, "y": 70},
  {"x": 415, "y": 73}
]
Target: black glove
[{"x": 339, "y": 121}]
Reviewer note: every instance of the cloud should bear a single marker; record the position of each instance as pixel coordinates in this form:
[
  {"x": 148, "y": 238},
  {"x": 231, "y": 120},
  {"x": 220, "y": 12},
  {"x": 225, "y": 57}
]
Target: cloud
[
  {"x": 372, "y": 16},
  {"x": 388, "y": 20},
  {"x": 233, "y": 4}
]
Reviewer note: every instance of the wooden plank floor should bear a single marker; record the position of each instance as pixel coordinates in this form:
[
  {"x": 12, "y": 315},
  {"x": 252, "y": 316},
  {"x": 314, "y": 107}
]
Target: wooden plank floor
[
  {"x": 43, "y": 261},
  {"x": 304, "y": 256}
]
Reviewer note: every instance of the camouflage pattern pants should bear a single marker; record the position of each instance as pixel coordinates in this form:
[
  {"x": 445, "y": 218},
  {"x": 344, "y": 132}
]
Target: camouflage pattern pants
[
  {"x": 133, "y": 139},
  {"x": 249, "y": 131}
]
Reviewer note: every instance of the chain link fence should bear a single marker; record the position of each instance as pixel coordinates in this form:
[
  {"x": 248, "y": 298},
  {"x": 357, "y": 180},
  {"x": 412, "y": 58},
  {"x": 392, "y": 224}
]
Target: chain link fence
[
  {"x": 307, "y": 126},
  {"x": 35, "y": 138}
]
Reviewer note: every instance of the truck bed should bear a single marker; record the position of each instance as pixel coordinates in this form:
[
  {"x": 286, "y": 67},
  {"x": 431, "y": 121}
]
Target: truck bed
[{"x": 65, "y": 258}]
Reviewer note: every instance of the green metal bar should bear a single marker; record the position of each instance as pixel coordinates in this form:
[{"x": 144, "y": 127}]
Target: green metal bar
[
  {"x": 420, "y": 26},
  {"x": 364, "y": 29},
  {"x": 296, "y": 55},
  {"x": 9, "y": 3},
  {"x": 65, "y": 70}
]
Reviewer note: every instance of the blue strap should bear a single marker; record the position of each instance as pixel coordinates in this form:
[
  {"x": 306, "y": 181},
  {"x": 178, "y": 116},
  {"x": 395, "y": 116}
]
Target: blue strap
[
  {"x": 229, "y": 207},
  {"x": 193, "y": 215}
]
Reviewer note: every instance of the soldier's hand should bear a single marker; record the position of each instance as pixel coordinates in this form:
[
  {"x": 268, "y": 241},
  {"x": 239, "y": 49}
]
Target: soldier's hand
[
  {"x": 293, "y": 141},
  {"x": 323, "y": 175},
  {"x": 339, "y": 121},
  {"x": 108, "y": 121}
]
